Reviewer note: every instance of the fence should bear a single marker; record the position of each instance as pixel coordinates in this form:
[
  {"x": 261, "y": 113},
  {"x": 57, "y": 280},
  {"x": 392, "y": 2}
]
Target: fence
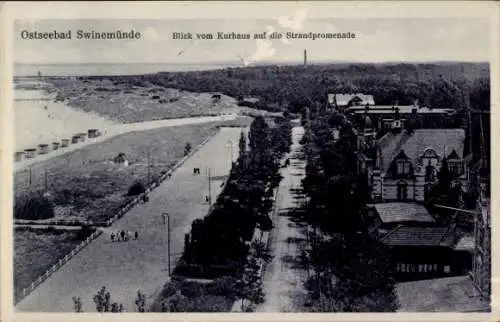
[
  {"x": 55, "y": 267},
  {"x": 121, "y": 213},
  {"x": 154, "y": 185}
]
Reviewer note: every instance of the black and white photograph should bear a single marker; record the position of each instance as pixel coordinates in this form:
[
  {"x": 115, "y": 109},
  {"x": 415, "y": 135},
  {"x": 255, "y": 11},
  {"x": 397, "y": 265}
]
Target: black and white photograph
[{"x": 291, "y": 163}]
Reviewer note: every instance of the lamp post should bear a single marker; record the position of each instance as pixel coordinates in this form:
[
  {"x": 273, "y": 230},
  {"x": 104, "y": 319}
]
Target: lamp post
[
  {"x": 166, "y": 215},
  {"x": 209, "y": 173}
]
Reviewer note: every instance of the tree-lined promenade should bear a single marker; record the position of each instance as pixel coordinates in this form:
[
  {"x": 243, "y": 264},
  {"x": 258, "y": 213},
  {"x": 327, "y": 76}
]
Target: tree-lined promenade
[
  {"x": 218, "y": 246},
  {"x": 142, "y": 264}
]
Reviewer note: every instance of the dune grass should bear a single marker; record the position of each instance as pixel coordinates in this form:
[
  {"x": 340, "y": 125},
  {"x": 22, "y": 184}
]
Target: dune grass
[{"x": 36, "y": 250}]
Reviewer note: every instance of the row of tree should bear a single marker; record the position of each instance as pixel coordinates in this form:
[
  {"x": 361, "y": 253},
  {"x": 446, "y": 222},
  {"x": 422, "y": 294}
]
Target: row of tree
[
  {"x": 352, "y": 270},
  {"x": 216, "y": 245}
]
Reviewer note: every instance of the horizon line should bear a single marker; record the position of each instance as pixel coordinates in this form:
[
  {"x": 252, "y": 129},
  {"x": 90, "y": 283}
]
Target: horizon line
[{"x": 311, "y": 62}]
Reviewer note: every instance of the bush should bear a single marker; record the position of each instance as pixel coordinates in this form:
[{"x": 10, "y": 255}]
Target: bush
[
  {"x": 34, "y": 207},
  {"x": 85, "y": 232},
  {"x": 136, "y": 189},
  {"x": 187, "y": 148}
]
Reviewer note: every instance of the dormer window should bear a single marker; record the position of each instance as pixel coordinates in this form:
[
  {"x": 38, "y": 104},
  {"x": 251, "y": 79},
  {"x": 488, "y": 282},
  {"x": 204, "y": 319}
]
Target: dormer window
[
  {"x": 454, "y": 163},
  {"x": 403, "y": 167},
  {"x": 430, "y": 157},
  {"x": 455, "y": 167}
]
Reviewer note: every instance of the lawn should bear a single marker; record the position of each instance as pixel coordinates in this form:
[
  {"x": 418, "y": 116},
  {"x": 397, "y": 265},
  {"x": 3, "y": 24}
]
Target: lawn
[
  {"x": 35, "y": 251},
  {"x": 87, "y": 184}
]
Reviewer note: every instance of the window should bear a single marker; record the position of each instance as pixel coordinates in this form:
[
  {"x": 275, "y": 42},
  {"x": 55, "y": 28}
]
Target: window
[
  {"x": 420, "y": 268},
  {"x": 447, "y": 269},
  {"x": 435, "y": 268},
  {"x": 455, "y": 167},
  {"x": 430, "y": 173},
  {"x": 403, "y": 167},
  {"x": 402, "y": 190}
]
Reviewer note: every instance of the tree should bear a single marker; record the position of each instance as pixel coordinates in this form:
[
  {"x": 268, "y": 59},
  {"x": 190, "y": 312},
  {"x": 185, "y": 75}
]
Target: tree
[
  {"x": 102, "y": 300},
  {"x": 136, "y": 189},
  {"x": 34, "y": 206},
  {"x": 445, "y": 176},
  {"x": 140, "y": 302},
  {"x": 77, "y": 304},
  {"x": 187, "y": 148},
  {"x": 252, "y": 284}
]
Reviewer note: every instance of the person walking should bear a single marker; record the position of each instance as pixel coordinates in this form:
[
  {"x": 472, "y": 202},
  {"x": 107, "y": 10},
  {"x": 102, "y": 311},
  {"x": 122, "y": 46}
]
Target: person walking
[
  {"x": 122, "y": 235},
  {"x": 136, "y": 235},
  {"x": 112, "y": 237}
]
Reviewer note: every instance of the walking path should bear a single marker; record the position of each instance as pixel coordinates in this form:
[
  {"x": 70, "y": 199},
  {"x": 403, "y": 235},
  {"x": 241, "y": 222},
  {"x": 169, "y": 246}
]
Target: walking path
[
  {"x": 125, "y": 267},
  {"x": 118, "y": 129},
  {"x": 283, "y": 281}
]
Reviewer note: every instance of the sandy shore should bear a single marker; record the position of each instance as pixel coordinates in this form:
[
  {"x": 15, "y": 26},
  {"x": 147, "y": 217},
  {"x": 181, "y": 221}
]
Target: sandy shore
[{"x": 49, "y": 110}]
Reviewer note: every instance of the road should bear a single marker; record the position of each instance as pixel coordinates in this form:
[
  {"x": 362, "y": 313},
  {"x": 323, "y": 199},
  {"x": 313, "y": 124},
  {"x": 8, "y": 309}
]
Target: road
[
  {"x": 283, "y": 279},
  {"x": 118, "y": 129},
  {"x": 125, "y": 267}
]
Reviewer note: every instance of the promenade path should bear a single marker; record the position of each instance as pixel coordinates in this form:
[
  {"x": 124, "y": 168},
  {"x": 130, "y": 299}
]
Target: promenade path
[
  {"x": 117, "y": 129},
  {"x": 283, "y": 279},
  {"x": 125, "y": 267}
]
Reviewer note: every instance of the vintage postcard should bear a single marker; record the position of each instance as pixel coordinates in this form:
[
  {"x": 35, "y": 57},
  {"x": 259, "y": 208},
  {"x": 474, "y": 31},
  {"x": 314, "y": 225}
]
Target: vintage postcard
[{"x": 251, "y": 157}]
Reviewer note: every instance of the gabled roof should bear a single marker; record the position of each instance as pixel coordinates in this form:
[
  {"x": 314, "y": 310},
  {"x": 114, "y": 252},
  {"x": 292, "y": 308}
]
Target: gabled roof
[
  {"x": 392, "y": 212},
  {"x": 453, "y": 155},
  {"x": 344, "y": 99},
  {"x": 443, "y": 141},
  {"x": 419, "y": 236}
]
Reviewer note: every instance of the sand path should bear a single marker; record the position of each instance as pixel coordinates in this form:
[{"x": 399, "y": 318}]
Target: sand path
[
  {"x": 283, "y": 280},
  {"x": 125, "y": 267}
]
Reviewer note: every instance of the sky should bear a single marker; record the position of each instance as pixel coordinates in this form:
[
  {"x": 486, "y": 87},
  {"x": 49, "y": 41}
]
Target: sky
[{"x": 377, "y": 40}]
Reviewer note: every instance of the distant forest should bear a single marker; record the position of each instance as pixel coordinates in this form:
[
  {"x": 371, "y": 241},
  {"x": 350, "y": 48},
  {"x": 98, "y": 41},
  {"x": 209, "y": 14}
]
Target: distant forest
[
  {"x": 460, "y": 86},
  {"x": 446, "y": 85}
]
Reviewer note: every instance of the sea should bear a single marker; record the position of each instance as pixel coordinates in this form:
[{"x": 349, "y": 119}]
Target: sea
[
  {"x": 115, "y": 69},
  {"x": 38, "y": 119}
]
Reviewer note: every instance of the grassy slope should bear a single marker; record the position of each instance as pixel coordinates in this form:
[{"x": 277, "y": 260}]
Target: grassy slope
[{"x": 36, "y": 251}]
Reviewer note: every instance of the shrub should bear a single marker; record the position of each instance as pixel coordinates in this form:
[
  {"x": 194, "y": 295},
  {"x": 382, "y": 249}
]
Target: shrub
[
  {"x": 34, "y": 207},
  {"x": 136, "y": 189},
  {"x": 85, "y": 232},
  {"x": 187, "y": 148}
]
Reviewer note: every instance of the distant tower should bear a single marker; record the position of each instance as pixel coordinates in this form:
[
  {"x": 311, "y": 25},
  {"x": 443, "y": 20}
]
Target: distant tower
[{"x": 305, "y": 57}]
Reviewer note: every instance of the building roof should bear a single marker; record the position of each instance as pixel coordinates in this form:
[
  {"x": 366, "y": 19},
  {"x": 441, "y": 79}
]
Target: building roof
[
  {"x": 449, "y": 294},
  {"x": 465, "y": 243},
  {"x": 391, "y": 212},
  {"x": 443, "y": 141},
  {"x": 419, "y": 236},
  {"x": 406, "y": 109},
  {"x": 251, "y": 99},
  {"x": 344, "y": 99}
]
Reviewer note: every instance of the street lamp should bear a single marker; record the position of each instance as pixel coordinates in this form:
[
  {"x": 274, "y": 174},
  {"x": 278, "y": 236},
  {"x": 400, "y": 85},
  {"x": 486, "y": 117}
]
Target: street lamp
[{"x": 167, "y": 221}]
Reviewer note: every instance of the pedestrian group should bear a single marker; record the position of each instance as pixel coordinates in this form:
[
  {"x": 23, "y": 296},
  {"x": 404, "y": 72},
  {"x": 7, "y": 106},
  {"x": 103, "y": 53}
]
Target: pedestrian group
[{"x": 123, "y": 235}]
